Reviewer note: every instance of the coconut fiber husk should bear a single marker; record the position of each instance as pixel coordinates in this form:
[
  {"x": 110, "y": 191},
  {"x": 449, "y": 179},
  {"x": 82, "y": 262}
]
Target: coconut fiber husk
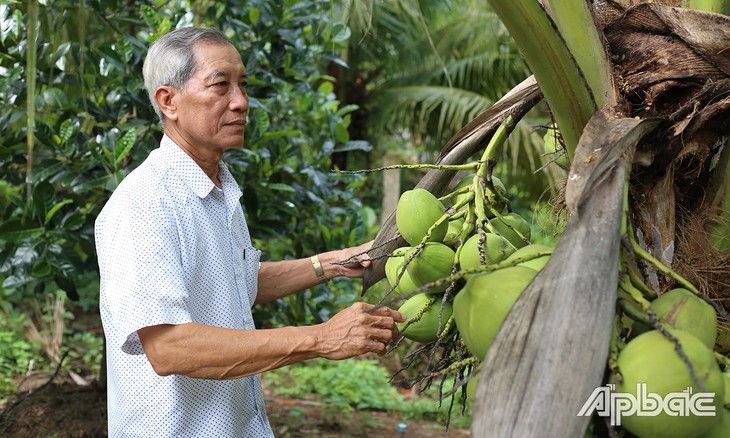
[{"x": 674, "y": 64}]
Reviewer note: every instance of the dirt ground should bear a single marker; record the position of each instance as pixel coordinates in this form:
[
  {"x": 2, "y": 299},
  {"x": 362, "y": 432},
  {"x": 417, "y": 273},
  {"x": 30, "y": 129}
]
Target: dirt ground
[{"x": 66, "y": 410}]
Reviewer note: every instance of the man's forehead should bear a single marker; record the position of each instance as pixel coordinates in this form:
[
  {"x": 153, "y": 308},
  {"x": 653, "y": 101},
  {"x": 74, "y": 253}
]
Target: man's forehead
[
  {"x": 216, "y": 60},
  {"x": 224, "y": 74}
]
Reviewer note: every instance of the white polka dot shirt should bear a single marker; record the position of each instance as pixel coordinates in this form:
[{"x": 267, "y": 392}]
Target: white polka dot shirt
[{"x": 173, "y": 248}]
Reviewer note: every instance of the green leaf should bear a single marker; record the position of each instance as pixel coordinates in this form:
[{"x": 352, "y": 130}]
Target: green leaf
[
  {"x": 326, "y": 88},
  {"x": 66, "y": 131},
  {"x": 68, "y": 286},
  {"x": 10, "y": 25},
  {"x": 150, "y": 17},
  {"x": 41, "y": 269},
  {"x": 263, "y": 122},
  {"x": 124, "y": 145},
  {"x": 55, "y": 98},
  {"x": 125, "y": 49},
  {"x": 347, "y": 109},
  {"x": 14, "y": 231},
  {"x": 15, "y": 281},
  {"x": 341, "y": 133},
  {"x": 254, "y": 14},
  {"x": 281, "y": 187},
  {"x": 46, "y": 169},
  {"x": 60, "y": 55},
  {"x": 42, "y": 198},
  {"x": 73, "y": 221},
  {"x": 341, "y": 33},
  {"x": 55, "y": 209},
  {"x": 355, "y": 145}
]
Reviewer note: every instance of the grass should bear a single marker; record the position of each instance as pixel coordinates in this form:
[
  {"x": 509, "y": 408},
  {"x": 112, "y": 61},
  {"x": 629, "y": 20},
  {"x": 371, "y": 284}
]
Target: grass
[{"x": 356, "y": 385}]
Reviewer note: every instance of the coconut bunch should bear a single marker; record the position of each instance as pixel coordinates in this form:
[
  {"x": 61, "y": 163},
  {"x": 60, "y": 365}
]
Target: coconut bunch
[
  {"x": 468, "y": 260},
  {"x": 458, "y": 244},
  {"x": 669, "y": 344}
]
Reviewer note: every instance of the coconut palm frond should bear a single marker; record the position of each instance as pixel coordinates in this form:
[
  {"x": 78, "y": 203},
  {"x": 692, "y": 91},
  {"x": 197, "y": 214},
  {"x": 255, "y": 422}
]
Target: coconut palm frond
[
  {"x": 442, "y": 108},
  {"x": 436, "y": 49}
]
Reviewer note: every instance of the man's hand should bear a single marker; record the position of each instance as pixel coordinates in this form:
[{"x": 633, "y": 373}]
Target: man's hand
[
  {"x": 357, "y": 256},
  {"x": 358, "y": 330}
]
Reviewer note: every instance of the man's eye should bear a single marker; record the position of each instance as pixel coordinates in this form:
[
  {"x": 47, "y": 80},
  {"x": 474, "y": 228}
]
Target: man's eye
[{"x": 222, "y": 84}]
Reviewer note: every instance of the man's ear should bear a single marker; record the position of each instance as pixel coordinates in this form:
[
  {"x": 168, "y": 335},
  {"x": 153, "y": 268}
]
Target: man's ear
[{"x": 164, "y": 97}]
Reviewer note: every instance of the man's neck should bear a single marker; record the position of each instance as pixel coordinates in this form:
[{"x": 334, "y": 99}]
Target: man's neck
[{"x": 206, "y": 161}]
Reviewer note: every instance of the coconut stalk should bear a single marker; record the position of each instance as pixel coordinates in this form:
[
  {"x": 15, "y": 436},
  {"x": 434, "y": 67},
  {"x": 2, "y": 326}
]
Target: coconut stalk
[
  {"x": 564, "y": 83},
  {"x": 578, "y": 31},
  {"x": 719, "y": 194},
  {"x": 716, "y": 6}
]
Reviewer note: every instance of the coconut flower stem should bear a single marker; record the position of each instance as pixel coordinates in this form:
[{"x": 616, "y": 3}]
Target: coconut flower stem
[{"x": 641, "y": 252}]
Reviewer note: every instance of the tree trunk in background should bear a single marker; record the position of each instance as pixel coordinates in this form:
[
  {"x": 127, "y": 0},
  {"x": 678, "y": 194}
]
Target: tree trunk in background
[{"x": 391, "y": 185}]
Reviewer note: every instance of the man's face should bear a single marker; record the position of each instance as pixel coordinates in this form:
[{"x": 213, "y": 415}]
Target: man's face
[{"x": 212, "y": 106}]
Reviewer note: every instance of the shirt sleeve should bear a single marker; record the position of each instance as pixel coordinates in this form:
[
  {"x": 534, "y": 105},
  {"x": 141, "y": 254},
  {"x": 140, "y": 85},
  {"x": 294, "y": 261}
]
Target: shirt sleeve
[{"x": 142, "y": 273}]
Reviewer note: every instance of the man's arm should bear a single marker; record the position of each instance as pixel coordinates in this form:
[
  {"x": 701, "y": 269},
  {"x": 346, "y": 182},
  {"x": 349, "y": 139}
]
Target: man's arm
[
  {"x": 279, "y": 279},
  {"x": 202, "y": 351}
]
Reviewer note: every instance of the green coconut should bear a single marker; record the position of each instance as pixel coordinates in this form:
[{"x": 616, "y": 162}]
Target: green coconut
[
  {"x": 651, "y": 359},
  {"x": 433, "y": 262},
  {"x": 484, "y": 302},
  {"x": 393, "y": 267},
  {"x": 681, "y": 309},
  {"x": 722, "y": 428},
  {"x": 529, "y": 253},
  {"x": 426, "y": 328},
  {"x": 417, "y": 211},
  {"x": 496, "y": 248}
]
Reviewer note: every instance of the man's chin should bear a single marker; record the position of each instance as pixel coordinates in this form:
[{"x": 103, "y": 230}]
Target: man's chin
[{"x": 236, "y": 143}]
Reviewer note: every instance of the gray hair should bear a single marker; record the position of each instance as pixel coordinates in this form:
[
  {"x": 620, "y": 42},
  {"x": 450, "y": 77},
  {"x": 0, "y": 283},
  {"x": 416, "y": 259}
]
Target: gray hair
[{"x": 170, "y": 62}]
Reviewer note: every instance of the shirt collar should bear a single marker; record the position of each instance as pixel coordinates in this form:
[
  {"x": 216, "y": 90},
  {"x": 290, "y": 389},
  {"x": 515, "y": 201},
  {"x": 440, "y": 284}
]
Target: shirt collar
[{"x": 192, "y": 174}]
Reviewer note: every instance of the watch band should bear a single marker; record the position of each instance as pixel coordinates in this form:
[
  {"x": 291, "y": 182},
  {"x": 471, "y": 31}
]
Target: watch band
[{"x": 318, "y": 269}]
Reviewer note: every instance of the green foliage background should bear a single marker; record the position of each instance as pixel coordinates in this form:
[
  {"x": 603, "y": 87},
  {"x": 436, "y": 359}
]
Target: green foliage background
[
  {"x": 330, "y": 83},
  {"x": 93, "y": 124},
  {"x": 76, "y": 119}
]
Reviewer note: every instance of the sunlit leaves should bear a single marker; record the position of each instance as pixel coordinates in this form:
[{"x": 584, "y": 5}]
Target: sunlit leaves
[
  {"x": 124, "y": 145},
  {"x": 157, "y": 22}
]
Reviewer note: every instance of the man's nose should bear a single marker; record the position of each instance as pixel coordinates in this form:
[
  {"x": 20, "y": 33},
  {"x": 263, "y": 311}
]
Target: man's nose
[{"x": 239, "y": 99}]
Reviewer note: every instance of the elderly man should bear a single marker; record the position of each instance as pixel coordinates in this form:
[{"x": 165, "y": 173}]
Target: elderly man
[{"x": 179, "y": 274}]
